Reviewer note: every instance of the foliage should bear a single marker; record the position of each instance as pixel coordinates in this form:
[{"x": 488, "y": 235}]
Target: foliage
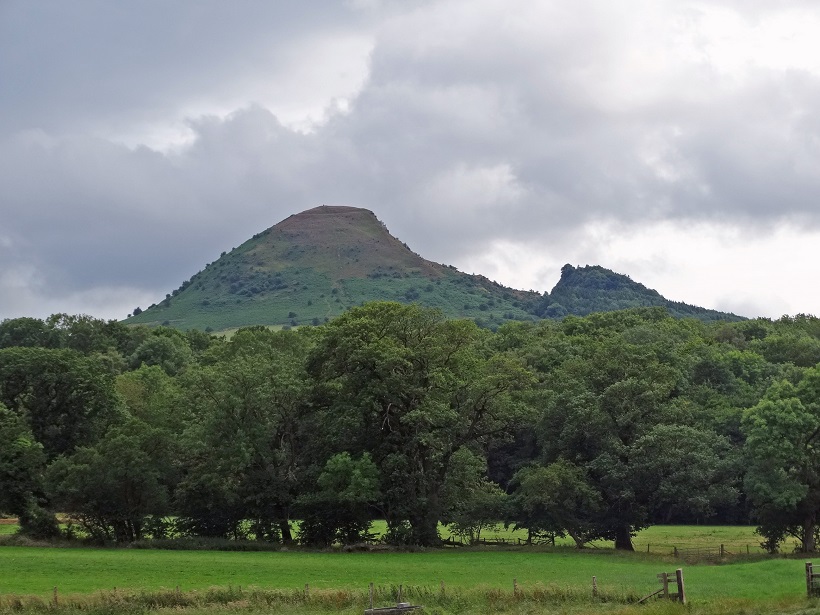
[
  {"x": 112, "y": 487},
  {"x": 554, "y": 500},
  {"x": 66, "y": 398},
  {"x": 683, "y": 469},
  {"x": 247, "y": 403},
  {"x": 169, "y": 352},
  {"x": 471, "y": 502},
  {"x": 22, "y": 463},
  {"x": 340, "y": 510},
  {"x": 590, "y": 428},
  {"x": 783, "y": 475},
  {"x": 602, "y": 401},
  {"x": 413, "y": 388}
]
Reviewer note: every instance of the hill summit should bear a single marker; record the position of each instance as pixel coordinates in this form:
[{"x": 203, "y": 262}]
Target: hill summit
[
  {"x": 584, "y": 290},
  {"x": 314, "y": 265}
]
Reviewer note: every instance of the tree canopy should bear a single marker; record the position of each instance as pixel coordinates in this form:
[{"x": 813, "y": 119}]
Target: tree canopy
[{"x": 591, "y": 427}]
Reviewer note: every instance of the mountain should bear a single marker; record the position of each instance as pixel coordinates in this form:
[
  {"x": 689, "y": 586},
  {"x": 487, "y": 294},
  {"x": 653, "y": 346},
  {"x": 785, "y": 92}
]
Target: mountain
[
  {"x": 314, "y": 265},
  {"x": 584, "y": 290}
]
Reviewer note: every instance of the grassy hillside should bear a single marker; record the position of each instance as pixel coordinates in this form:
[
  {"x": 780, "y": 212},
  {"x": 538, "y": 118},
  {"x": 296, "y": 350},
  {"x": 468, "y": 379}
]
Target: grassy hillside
[
  {"x": 584, "y": 290},
  {"x": 314, "y": 265}
]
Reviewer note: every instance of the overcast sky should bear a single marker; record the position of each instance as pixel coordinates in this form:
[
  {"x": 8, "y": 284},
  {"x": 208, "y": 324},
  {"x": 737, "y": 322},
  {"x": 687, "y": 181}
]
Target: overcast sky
[{"x": 674, "y": 141}]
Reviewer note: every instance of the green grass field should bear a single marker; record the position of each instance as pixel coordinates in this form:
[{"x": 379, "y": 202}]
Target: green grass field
[
  {"x": 477, "y": 580},
  {"x": 37, "y": 570},
  {"x": 658, "y": 539}
]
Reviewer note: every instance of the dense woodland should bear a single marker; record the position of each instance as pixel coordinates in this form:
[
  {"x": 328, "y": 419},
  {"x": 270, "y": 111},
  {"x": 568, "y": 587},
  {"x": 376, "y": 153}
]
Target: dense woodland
[{"x": 590, "y": 427}]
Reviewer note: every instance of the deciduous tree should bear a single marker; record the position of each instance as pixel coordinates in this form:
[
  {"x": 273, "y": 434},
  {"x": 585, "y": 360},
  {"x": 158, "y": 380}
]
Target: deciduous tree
[
  {"x": 412, "y": 388},
  {"x": 783, "y": 460}
]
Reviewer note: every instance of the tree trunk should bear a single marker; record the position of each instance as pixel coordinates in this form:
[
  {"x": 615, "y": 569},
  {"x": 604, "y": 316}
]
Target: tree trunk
[
  {"x": 578, "y": 538},
  {"x": 809, "y": 545},
  {"x": 425, "y": 529},
  {"x": 623, "y": 538},
  {"x": 284, "y": 528},
  {"x": 424, "y": 522}
]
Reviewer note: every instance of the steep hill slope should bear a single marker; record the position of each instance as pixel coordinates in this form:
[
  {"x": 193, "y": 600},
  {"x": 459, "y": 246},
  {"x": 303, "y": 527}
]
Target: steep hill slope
[
  {"x": 312, "y": 266},
  {"x": 584, "y": 290}
]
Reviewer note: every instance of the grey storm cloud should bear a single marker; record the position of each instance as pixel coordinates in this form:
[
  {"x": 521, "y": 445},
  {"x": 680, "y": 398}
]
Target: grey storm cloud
[
  {"x": 470, "y": 122},
  {"x": 71, "y": 66}
]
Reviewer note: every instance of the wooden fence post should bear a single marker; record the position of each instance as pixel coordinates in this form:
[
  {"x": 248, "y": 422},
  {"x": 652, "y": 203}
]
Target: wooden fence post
[
  {"x": 371, "y": 596},
  {"x": 665, "y": 582},
  {"x": 679, "y": 579},
  {"x": 307, "y": 591},
  {"x": 594, "y": 587},
  {"x": 56, "y": 596},
  {"x": 809, "y": 574},
  {"x": 722, "y": 551},
  {"x": 399, "y": 600},
  {"x": 441, "y": 585},
  {"x": 515, "y": 587}
]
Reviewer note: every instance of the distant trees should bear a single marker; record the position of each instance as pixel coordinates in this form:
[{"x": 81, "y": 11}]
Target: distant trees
[{"x": 171, "y": 352}]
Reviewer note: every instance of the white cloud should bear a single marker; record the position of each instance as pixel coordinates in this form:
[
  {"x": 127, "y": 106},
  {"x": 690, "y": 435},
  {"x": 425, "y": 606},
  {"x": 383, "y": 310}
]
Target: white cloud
[
  {"x": 470, "y": 191},
  {"x": 715, "y": 266}
]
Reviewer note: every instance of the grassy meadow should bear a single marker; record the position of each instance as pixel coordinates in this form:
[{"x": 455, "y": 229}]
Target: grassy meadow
[
  {"x": 76, "y": 571},
  {"x": 657, "y": 539},
  {"x": 476, "y": 580}
]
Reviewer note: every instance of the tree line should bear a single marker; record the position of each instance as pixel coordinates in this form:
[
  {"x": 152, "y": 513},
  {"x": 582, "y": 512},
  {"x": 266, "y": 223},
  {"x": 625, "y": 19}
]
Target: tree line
[{"x": 592, "y": 427}]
